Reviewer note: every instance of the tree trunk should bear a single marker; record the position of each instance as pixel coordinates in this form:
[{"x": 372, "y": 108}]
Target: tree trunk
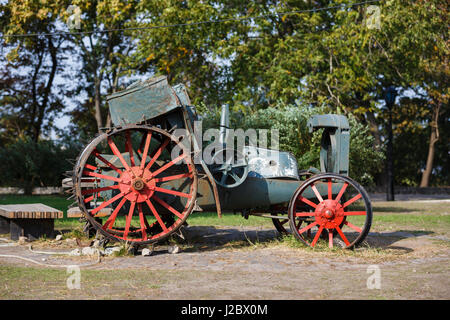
[
  {"x": 434, "y": 137},
  {"x": 98, "y": 112},
  {"x": 374, "y": 128},
  {"x": 47, "y": 91}
]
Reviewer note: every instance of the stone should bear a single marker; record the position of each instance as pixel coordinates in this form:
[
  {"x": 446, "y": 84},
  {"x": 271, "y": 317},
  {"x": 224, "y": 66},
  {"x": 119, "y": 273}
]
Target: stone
[
  {"x": 88, "y": 251},
  {"x": 111, "y": 250},
  {"x": 59, "y": 237},
  {"x": 75, "y": 252},
  {"x": 146, "y": 252},
  {"x": 173, "y": 249},
  {"x": 23, "y": 240}
]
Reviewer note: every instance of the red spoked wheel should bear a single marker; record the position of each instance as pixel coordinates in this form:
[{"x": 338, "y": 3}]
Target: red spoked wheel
[
  {"x": 140, "y": 179},
  {"x": 318, "y": 210}
]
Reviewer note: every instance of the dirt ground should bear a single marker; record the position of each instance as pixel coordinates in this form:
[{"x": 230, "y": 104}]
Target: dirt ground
[{"x": 243, "y": 263}]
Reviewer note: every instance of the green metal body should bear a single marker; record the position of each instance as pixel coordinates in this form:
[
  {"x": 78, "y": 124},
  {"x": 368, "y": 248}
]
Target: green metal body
[{"x": 335, "y": 144}]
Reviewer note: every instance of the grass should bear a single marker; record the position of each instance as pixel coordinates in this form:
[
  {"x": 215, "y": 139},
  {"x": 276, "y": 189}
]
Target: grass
[
  {"x": 398, "y": 215},
  {"x": 56, "y": 201},
  {"x": 104, "y": 284}
]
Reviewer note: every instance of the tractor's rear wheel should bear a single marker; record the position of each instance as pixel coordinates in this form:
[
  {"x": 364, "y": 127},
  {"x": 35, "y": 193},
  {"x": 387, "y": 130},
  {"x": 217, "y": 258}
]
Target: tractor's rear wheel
[
  {"x": 318, "y": 205},
  {"x": 141, "y": 179}
]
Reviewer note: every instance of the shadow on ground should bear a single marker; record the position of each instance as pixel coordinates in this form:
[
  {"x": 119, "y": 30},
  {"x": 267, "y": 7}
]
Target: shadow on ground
[{"x": 208, "y": 238}]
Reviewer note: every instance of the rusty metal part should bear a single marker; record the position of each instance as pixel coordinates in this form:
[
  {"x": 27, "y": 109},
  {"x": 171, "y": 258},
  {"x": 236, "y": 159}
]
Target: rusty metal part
[{"x": 141, "y": 101}]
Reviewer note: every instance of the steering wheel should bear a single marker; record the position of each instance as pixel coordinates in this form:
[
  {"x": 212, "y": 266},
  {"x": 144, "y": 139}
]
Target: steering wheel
[{"x": 229, "y": 168}]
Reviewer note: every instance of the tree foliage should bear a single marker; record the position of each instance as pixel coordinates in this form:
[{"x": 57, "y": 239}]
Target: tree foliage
[
  {"x": 264, "y": 59},
  {"x": 27, "y": 164}
]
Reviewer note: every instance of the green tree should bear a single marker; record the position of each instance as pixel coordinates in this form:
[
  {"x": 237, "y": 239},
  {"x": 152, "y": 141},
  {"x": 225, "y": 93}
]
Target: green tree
[
  {"x": 26, "y": 163},
  {"x": 184, "y": 53},
  {"x": 102, "y": 56},
  {"x": 29, "y": 65}
]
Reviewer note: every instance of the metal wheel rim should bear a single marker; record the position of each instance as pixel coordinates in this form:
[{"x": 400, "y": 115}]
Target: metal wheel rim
[
  {"x": 363, "y": 232},
  {"x": 78, "y": 172}
]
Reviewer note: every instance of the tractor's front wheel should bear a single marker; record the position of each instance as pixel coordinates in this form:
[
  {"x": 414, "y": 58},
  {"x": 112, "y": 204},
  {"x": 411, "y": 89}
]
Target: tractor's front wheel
[{"x": 318, "y": 208}]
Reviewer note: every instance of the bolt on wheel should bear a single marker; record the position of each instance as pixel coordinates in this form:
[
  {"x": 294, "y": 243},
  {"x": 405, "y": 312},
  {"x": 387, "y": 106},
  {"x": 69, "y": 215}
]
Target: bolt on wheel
[
  {"x": 318, "y": 210},
  {"x": 140, "y": 179}
]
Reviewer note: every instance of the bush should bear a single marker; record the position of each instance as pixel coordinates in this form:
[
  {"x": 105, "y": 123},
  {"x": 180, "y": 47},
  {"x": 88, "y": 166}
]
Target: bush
[{"x": 27, "y": 164}]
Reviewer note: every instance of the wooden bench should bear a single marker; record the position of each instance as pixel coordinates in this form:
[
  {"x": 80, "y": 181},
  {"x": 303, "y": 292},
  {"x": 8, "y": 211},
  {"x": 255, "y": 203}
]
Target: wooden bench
[{"x": 29, "y": 220}]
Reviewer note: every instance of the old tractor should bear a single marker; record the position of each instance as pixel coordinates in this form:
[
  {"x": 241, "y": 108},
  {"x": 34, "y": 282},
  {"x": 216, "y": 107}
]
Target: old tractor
[{"x": 141, "y": 179}]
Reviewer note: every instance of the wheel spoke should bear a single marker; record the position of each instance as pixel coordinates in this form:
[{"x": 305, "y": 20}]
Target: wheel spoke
[
  {"x": 234, "y": 176},
  {"x": 316, "y": 192},
  {"x": 312, "y": 204},
  {"x": 112, "y": 217},
  {"x": 353, "y": 226},
  {"x": 330, "y": 190},
  {"x": 90, "y": 167},
  {"x": 141, "y": 144},
  {"x": 304, "y": 214},
  {"x": 173, "y": 192},
  {"x": 89, "y": 199},
  {"x": 174, "y": 177},
  {"x": 168, "y": 207},
  {"x": 349, "y": 202},
  {"x": 109, "y": 164},
  {"x": 102, "y": 176},
  {"x": 169, "y": 164},
  {"x": 116, "y": 151},
  {"x": 129, "y": 217},
  {"x": 147, "y": 145},
  {"x": 330, "y": 238},
  {"x": 91, "y": 191},
  {"x": 284, "y": 221},
  {"x": 309, "y": 226},
  {"x": 341, "y": 192},
  {"x": 129, "y": 148},
  {"x": 224, "y": 178},
  {"x": 106, "y": 203},
  {"x": 355, "y": 213},
  {"x": 155, "y": 213},
  {"x": 343, "y": 237},
  {"x": 317, "y": 236},
  {"x": 156, "y": 155},
  {"x": 142, "y": 221}
]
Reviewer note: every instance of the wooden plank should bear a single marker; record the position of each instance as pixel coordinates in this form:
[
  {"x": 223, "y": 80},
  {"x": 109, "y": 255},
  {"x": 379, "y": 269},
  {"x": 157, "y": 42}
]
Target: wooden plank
[{"x": 29, "y": 211}]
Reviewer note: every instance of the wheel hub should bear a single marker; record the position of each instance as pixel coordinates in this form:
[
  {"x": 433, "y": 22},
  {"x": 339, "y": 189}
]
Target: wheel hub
[
  {"x": 137, "y": 184},
  {"x": 329, "y": 214}
]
